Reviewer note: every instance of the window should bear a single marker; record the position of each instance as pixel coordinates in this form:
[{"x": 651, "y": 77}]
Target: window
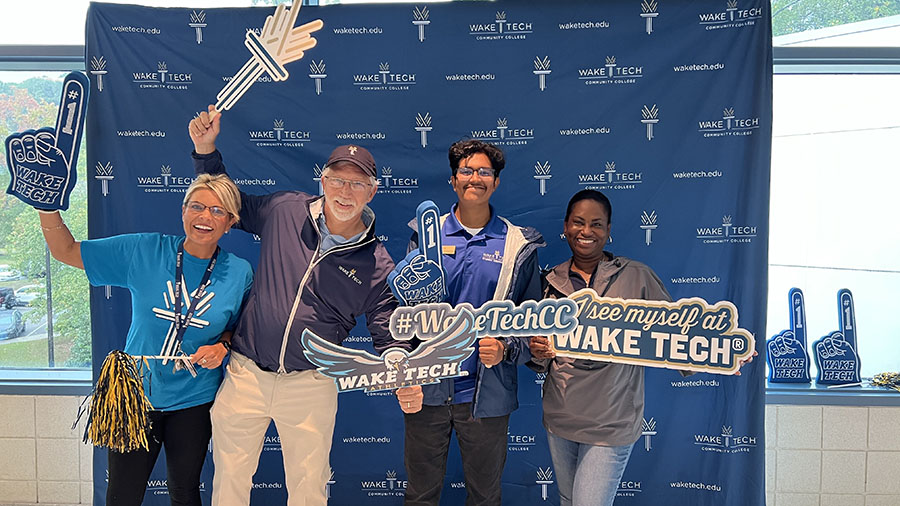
[
  {"x": 49, "y": 298},
  {"x": 833, "y": 177}
]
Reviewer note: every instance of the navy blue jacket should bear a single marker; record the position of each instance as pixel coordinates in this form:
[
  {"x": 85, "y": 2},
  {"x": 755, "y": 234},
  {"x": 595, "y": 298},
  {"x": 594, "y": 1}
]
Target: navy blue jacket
[{"x": 296, "y": 287}]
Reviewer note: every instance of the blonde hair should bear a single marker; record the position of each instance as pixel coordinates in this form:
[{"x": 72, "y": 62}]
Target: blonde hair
[{"x": 223, "y": 187}]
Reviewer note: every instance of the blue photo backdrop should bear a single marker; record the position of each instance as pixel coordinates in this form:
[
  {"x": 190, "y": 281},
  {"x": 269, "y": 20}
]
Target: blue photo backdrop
[{"x": 665, "y": 107}]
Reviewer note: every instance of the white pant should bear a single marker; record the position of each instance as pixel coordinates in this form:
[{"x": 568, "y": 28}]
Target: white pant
[{"x": 303, "y": 405}]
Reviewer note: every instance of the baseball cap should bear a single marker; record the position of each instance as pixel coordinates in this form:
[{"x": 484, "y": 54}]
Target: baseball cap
[{"x": 356, "y": 155}]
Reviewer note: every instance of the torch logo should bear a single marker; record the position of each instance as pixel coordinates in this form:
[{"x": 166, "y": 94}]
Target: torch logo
[
  {"x": 502, "y": 126},
  {"x": 317, "y": 73},
  {"x": 420, "y": 19},
  {"x": 543, "y": 479},
  {"x": 732, "y": 6},
  {"x": 423, "y": 126},
  {"x": 500, "y": 20},
  {"x": 648, "y": 12},
  {"x": 648, "y": 430},
  {"x": 198, "y": 22},
  {"x": 98, "y": 68},
  {"x": 163, "y": 69},
  {"x": 328, "y": 485},
  {"x": 650, "y": 117},
  {"x": 542, "y": 70},
  {"x": 104, "y": 175},
  {"x": 542, "y": 174},
  {"x": 391, "y": 477},
  {"x": 317, "y": 177},
  {"x": 648, "y": 224}
]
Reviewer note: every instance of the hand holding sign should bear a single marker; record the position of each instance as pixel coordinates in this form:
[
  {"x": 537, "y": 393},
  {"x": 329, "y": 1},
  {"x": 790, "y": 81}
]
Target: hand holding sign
[
  {"x": 788, "y": 359},
  {"x": 836, "y": 354},
  {"x": 420, "y": 277},
  {"x": 42, "y": 162}
]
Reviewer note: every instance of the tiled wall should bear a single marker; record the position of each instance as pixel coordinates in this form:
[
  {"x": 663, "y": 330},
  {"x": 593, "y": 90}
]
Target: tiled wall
[
  {"x": 815, "y": 455},
  {"x": 42, "y": 459},
  {"x": 832, "y": 456}
]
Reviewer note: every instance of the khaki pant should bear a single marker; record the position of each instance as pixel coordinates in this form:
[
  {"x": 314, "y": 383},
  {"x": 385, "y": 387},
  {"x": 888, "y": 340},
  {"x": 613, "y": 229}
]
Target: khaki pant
[{"x": 303, "y": 405}]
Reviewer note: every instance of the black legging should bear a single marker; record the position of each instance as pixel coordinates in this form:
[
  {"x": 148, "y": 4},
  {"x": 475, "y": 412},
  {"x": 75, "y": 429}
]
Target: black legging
[{"x": 185, "y": 434}]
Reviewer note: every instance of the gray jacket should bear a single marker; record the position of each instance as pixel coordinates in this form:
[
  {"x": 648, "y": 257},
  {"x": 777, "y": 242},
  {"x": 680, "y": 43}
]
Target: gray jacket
[{"x": 599, "y": 403}]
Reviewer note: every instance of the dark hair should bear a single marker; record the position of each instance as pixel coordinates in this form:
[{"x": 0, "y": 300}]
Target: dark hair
[
  {"x": 463, "y": 149},
  {"x": 594, "y": 195}
]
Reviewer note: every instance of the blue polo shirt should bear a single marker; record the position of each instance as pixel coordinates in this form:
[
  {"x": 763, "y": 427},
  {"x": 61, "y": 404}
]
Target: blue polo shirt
[{"x": 472, "y": 264}]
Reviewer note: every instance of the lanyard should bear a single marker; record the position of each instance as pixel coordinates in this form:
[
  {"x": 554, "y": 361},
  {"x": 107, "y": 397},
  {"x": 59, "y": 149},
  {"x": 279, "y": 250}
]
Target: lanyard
[{"x": 182, "y": 321}]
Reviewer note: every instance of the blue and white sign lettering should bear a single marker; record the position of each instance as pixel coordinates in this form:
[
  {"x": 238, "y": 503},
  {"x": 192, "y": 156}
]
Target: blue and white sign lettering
[
  {"x": 689, "y": 334},
  {"x": 420, "y": 278},
  {"x": 837, "y": 354},
  {"x": 786, "y": 351},
  {"x": 42, "y": 162},
  {"x": 431, "y": 362}
]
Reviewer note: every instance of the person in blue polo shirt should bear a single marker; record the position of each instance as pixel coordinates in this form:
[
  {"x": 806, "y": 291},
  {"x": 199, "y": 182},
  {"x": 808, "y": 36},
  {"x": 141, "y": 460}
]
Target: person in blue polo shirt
[{"x": 486, "y": 258}]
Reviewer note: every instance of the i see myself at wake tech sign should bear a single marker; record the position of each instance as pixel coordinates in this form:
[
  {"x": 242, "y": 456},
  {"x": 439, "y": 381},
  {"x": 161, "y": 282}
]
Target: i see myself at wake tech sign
[
  {"x": 486, "y": 258},
  {"x": 308, "y": 245}
]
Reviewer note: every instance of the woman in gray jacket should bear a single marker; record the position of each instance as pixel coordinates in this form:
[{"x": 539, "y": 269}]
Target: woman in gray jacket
[{"x": 591, "y": 436}]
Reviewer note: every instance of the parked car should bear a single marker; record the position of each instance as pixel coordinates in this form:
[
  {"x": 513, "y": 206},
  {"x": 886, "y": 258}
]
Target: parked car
[
  {"x": 8, "y": 298},
  {"x": 26, "y": 294},
  {"x": 7, "y": 274},
  {"x": 11, "y": 324}
]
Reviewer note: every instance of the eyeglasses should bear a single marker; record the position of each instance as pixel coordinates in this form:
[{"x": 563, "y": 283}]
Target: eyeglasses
[
  {"x": 469, "y": 171},
  {"x": 216, "y": 211},
  {"x": 338, "y": 183}
]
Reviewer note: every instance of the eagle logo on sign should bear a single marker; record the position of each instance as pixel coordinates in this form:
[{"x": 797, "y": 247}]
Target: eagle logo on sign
[{"x": 431, "y": 362}]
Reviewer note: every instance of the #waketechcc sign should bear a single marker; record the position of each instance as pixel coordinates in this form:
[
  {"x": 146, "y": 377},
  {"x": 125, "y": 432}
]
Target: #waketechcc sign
[{"x": 689, "y": 334}]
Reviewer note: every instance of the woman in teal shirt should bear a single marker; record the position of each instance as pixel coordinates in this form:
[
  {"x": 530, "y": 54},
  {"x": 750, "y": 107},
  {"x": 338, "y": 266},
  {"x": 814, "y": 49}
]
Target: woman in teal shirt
[{"x": 186, "y": 295}]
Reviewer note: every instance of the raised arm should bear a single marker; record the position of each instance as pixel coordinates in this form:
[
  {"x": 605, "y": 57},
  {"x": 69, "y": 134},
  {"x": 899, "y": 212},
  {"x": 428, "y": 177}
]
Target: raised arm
[
  {"x": 59, "y": 239},
  {"x": 203, "y": 131}
]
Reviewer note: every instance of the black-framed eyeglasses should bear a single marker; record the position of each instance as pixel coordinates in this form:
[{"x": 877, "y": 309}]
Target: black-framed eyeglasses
[
  {"x": 355, "y": 186},
  {"x": 198, "y": 207},
  {"x": 484, "y": 172}
]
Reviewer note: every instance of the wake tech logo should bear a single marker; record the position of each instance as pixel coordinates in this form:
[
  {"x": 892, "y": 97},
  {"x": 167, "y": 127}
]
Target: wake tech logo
[
  {"x": 611, "y": 178},
  {"x": 728, "y": 232},
  {"x": 384, "y": 80},
  {"x": 544, "y": 478},
  {"x": 504, "y": 134},
  {"x": 390, "y": 486},
  {"x": 729, "y": 125},
  {"x": 648, "y": 430},
  {"x": 104, "y": 175},
  {"x": 350, "y": 273},
  {"x": 420, "y": 20},
  {"x": 279, "y": 136},
  {"x": 725, "y": 442},
  {"x": 98, "y": 70},
  {"x": 628, "y": 489},
  {"x": 731, "y": 17},
  {"x": 166, "y": 182},
  {"x": 198, "y": 23},
  {"x": 394, "y": 184},
  {"x": 163, "y": 78},
  {"x": 612, "y": 72},
  {"x": 501, "y": 29}
]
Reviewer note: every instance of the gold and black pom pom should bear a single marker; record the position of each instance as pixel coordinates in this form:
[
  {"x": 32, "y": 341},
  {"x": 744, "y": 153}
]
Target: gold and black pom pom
[
  {"x": 118, "y": 412},
  {"x": 887, "y": 379}
]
